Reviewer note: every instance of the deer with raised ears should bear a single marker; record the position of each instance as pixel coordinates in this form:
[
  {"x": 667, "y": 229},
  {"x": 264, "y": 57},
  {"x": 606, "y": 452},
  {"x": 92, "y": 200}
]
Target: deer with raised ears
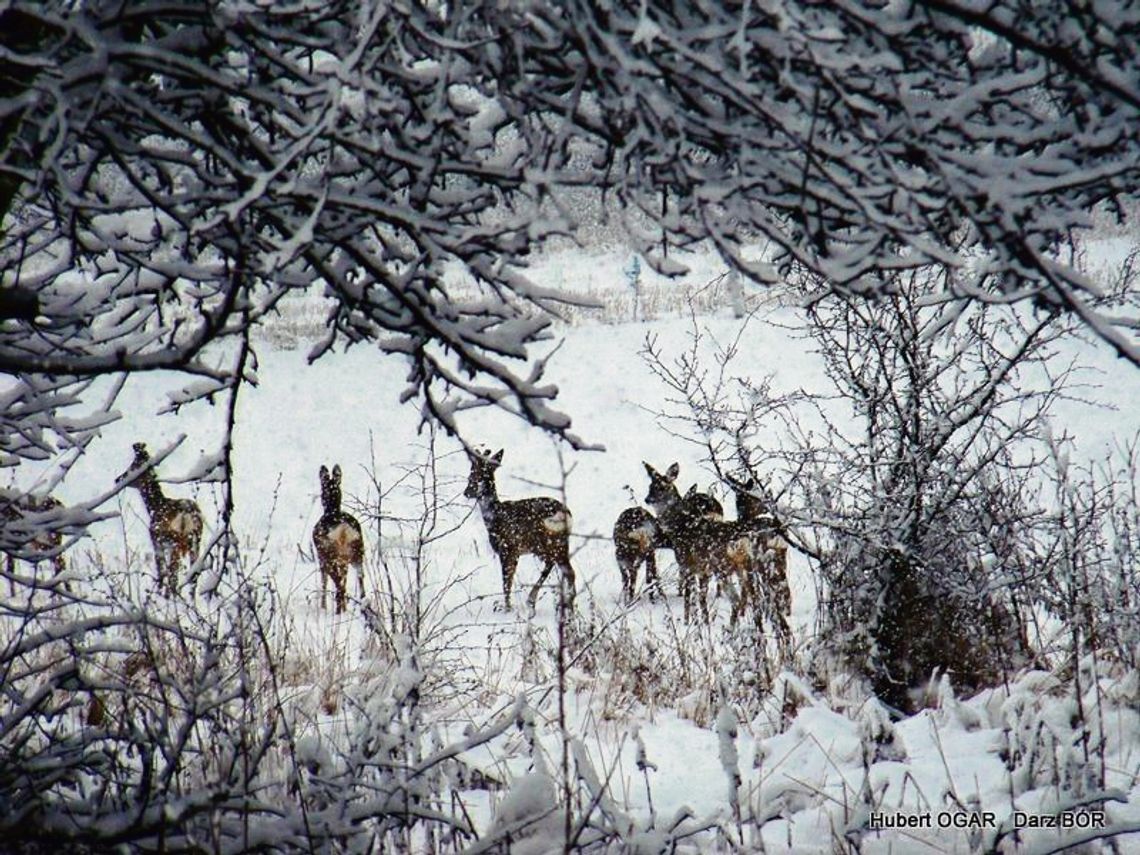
[
  {"x": 686, "y": 527},
  {"x": 683, "y": 513},
  {"x": 706, "y": 547},
  {"x": 538, "y": 527},
  {"x": 175, "y": 524},
  {"x": 338, "y": 540},
  {"x": 637, "y": 537},
  {"x": 23, "y": 513}
]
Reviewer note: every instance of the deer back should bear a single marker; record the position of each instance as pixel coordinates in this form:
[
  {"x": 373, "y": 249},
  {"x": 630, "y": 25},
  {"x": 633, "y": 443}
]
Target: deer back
[
  {"x": 702, "y": 504},
  {"x": 531, "y": 527}
]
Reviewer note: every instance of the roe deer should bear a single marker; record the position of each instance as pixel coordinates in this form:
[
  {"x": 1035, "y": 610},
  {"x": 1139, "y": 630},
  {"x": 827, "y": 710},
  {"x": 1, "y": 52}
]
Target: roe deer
[
  {"x": 338, "y": 540},
  {"x": 731, "y": 550},
  {"x": 679, "y": 519},
  {"x": 175, "y": 524},
  {"x": 28, "y": 520},
  {"x": 637, "y": 537},
  {"x": 767, "y": 585},
  {"x": 538, "y": 527}
]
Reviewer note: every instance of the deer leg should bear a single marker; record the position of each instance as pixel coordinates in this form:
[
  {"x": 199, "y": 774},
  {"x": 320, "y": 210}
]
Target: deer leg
[
  {"x": 172, "y": 557},
  {"x": 324, "y": 585},
  {"x": 340, "y": 580},
  {"x": 569, "y": 581},
  {"x": 753, "y": 597},
  {"x": 651, "y": 582},
  {"x": 783, "y": 629},
  {"x": 685, "y": 586},
  {"x": 60, "y": 568},
  {"x": 169, "y": 563},
  {"x": 703, "y": 594},
  {"x": 11, "y": 576},
  {"x": 628, "y": 568},
  {"x": 692, "y": 593},
  {"x": 161, "y": 560},
  {"x": 177, "y": 552},
  {"x": 736, "y": 597},
  {"x": 510, "y": 563},
  {"x": 780, "y": 594},
  {"x": 533, "y": 598},
  {"x": 749, "y": 591}
]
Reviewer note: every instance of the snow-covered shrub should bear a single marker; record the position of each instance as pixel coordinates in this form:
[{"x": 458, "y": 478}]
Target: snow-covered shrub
[
  {"x": 907, "y": 485},
  {"x": 131, "y": 720},
  {"x": 136, "y": 720},
  {"x": 947, "y": 415},
  {"x": 1091, "y": 556}
]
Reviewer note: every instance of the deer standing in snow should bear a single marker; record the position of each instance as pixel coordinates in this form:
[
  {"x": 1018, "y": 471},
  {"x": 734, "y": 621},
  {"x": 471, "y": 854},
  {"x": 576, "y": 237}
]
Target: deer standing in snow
[
  {"x": 538, "y": 527},
  {"x": 338, "y": 540},
  {"x": 733, "y": 551},
  {"x": 637, "y": 537},
  {"x": 767, "y": 586},
  {"x": 175, "y": 524},
  {"x": 22, "y": 513}
]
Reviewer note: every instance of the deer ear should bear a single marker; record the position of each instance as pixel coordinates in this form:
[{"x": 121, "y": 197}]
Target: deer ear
[
  {"x": 336, "y": 473},
  {"x": 673, "y": 472},
  {"x": 140, "y": 448},
  {"x": 498, "y": 458},
  {"x": 649, "y": 469}
]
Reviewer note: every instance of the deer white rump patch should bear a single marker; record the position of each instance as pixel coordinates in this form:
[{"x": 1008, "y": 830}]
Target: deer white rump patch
[
  {"x": 642, "y": 536},
  {"x": 343, "y": 537},
  {"x": 557, "y": 523},
  {"x": 184, "y": 522},
  {"x": 740, "y": 552}
]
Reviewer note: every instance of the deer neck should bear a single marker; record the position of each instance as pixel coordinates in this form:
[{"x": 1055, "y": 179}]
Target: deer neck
[
  {"x": 153, "y": 497},
  {"x": 489, "y": 504},
  {"x": 670, "y": 512}
]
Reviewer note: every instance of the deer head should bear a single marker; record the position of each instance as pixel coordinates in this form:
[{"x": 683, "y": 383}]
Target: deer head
[
  {"x": 482, "y": 479},
  {"x": 663, "y": 491},
  {"x": 139, "y": 465},
  {"x": 330, "y": 489}
]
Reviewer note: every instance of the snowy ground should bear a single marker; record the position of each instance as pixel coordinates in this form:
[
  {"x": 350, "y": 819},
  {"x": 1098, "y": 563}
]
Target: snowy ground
[{"x": 946, "y": 764}]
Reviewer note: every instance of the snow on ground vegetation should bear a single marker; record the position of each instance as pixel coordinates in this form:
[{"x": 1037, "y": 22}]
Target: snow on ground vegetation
[{"x": 681, "y": 734}]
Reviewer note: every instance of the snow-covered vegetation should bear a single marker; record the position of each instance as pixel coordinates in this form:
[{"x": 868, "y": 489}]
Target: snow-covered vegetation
[{"x": 426, "y": 717}]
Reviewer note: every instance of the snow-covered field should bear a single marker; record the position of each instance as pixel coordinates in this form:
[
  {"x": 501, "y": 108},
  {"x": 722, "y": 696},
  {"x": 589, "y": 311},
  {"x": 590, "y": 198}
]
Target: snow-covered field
[{"x": 813, "y": 775}]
